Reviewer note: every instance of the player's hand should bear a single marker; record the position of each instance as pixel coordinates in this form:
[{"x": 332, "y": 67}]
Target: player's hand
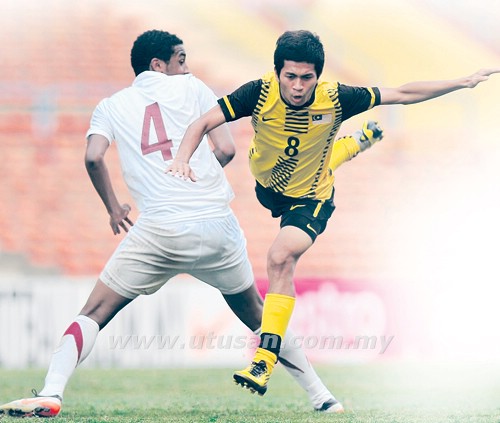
[
  {"x": 370, "y": 133},
  {"x": 181, "y": 169},
  {"x": 119, "y": 218},
  {"x": 480, "y": 76}
]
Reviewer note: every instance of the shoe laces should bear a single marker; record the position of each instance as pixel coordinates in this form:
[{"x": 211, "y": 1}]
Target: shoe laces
[{"x": 258, "y": 369}]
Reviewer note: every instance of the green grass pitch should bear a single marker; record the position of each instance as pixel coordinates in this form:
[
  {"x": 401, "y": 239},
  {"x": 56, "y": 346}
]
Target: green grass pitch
[{"x": 373, "y": 393}]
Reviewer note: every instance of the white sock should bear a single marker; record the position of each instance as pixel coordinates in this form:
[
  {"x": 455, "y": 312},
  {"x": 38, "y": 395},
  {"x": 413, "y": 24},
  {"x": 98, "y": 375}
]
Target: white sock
[
  {"x": 75, "y": 346},
  {"x": 295, "y": 361}
]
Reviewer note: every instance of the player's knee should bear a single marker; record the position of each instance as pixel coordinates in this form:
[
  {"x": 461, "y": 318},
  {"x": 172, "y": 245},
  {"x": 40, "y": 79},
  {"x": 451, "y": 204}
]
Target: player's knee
[{"x": 280, "y": 259}]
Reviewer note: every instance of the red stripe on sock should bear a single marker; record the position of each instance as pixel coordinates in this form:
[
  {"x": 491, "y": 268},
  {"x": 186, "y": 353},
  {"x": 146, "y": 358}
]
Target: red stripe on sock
[{"x": 76, "y": 331}]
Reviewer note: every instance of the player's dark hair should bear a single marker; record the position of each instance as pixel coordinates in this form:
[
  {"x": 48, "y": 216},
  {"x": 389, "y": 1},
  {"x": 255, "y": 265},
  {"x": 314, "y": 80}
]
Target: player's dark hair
[
  {"x": 152, "y": 44},
  {"x": 299, "y": 46}
]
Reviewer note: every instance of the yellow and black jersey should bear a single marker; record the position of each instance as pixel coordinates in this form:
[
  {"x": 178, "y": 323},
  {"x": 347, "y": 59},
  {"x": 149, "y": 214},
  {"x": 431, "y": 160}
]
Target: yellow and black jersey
[{"x": 291, "y": 148}]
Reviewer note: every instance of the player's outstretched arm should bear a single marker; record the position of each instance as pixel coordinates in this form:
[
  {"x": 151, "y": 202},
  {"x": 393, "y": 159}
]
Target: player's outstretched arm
[
  {"x": 97, "y": 146},
  {"x": 416, "y": 92},
  {"x": 180, "y": 164}
]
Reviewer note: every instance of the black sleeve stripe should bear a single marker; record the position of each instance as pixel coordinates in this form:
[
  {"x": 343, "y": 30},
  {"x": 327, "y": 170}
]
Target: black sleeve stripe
[
  {"x": 226, "y": 108},
  {"x": 355, "y": 100},
  {"x": 242, "y": 101}
]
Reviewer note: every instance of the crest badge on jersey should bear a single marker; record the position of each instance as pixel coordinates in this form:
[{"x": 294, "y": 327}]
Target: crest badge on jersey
[{"x": 320, "y": 118}]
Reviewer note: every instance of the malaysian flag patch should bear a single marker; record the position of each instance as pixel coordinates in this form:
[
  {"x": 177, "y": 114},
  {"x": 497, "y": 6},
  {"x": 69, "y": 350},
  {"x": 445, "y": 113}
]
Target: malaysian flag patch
[{"x": 319, "y": 119}]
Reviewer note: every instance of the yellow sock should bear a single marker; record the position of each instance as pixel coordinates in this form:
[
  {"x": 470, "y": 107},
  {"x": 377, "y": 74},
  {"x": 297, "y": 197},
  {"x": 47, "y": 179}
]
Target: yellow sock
[
  {"x": 277, "y": 311},
  {"x": 344, "y": 149},
  {"x": 269, "y": 357}
]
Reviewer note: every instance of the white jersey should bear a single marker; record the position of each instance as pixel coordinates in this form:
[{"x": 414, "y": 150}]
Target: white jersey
[{"x": 148, "y": 121}]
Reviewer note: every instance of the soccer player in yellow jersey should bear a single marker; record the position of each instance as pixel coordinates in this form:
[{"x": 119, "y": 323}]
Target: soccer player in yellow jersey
[{"x": 295, "y": 118}]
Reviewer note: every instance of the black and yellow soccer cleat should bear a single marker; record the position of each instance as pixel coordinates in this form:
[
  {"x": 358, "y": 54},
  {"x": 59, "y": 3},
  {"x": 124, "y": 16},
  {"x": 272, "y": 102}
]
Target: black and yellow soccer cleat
[
  {"x": 254, "y": 377},
  {"x": 368, "y": 135}
]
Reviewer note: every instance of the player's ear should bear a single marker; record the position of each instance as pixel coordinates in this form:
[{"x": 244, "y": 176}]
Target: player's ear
[
  {"x": 155, "y": 64},
  {"x": 276, "y": 73}
]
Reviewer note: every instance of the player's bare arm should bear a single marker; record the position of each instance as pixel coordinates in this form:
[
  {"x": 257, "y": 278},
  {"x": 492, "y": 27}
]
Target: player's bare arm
[
  {"x": 97, "y": 146},
  {"x": 180, "y": 165},
  {"x": 415, "y": 92},
  {"x": 224, "y": 148}
]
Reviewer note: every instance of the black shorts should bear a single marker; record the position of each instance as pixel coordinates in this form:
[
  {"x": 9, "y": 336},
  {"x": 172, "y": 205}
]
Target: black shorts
[{"x": 305, "y": 213}]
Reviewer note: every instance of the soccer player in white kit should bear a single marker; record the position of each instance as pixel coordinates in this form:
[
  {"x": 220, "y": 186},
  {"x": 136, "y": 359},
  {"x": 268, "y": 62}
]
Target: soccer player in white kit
[{"x": 147, "y": 121}]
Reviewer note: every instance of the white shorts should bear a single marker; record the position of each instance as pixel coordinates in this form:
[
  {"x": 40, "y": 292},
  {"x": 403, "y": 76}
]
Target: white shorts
[{"x": 213, "y": 251}]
